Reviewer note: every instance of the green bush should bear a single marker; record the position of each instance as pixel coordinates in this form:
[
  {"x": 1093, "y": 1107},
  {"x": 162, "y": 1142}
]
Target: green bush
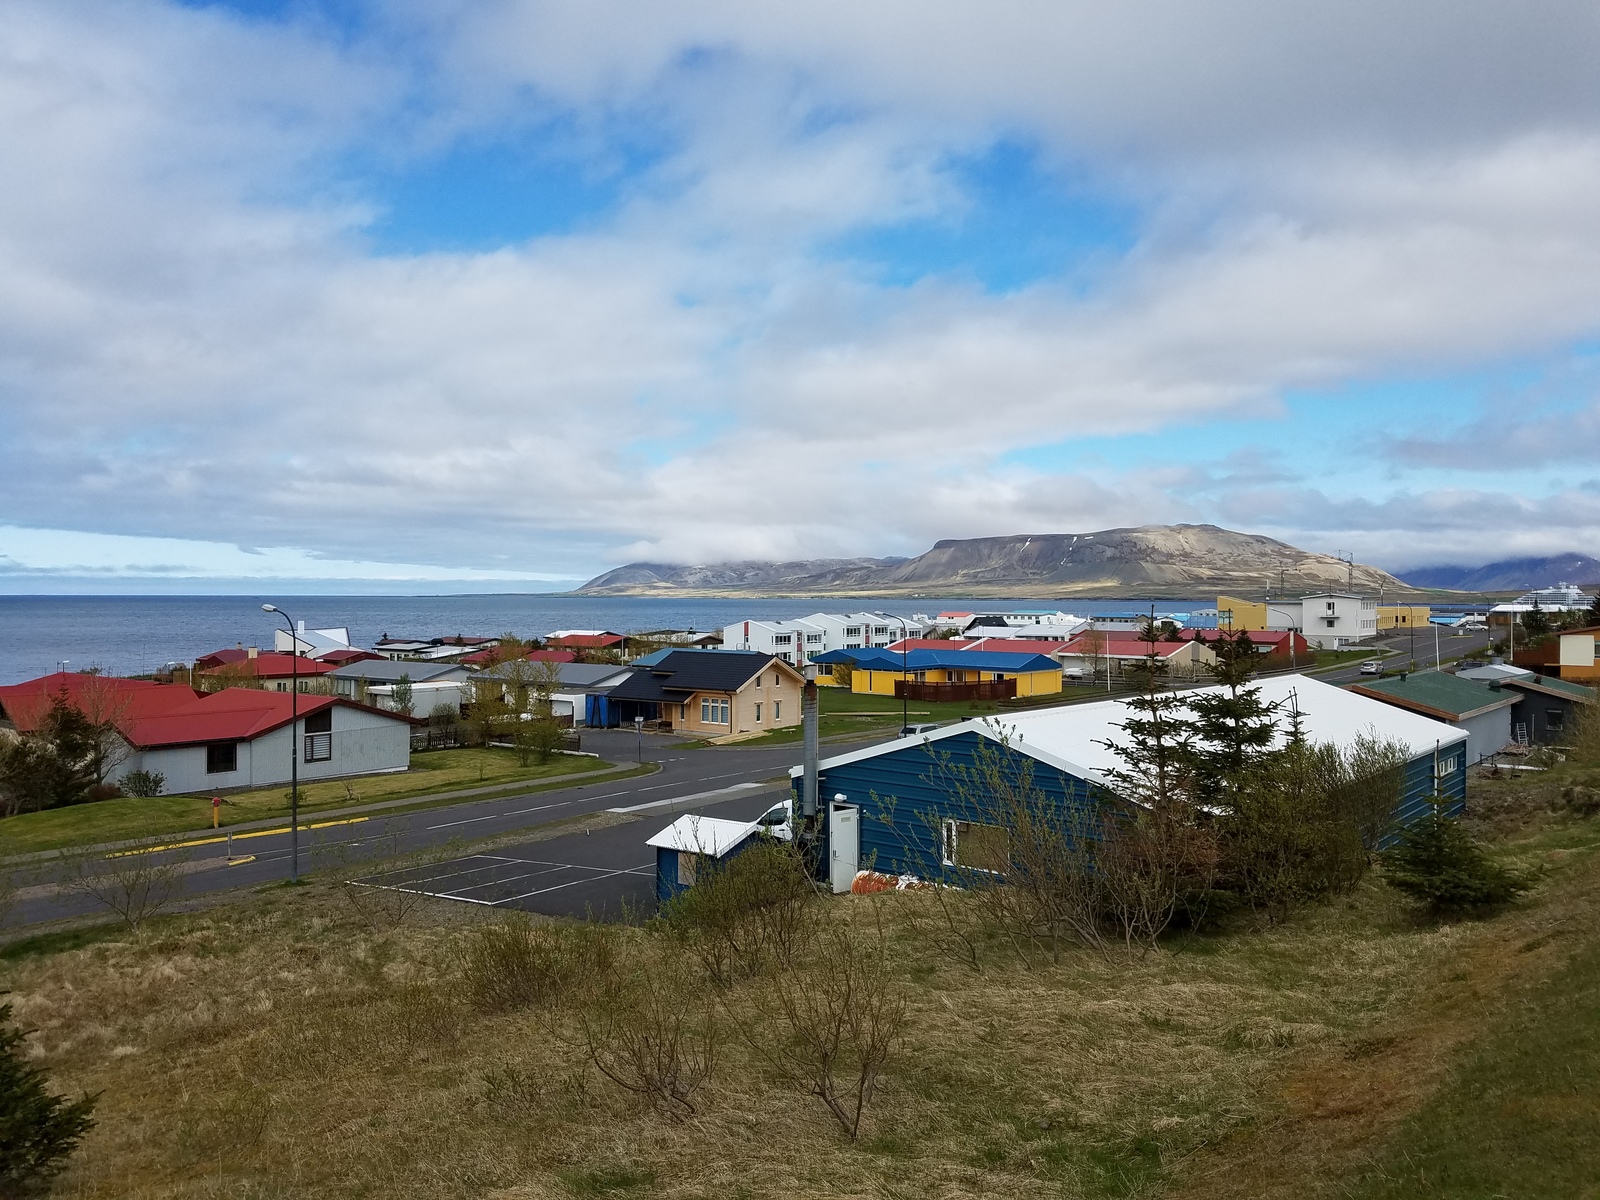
[
  {"x": 1436, "y": 862},
  {"x": 745, "y": 913},
  {"x": 38, "y": 1131},
  {"x": 143, "y": 783}
]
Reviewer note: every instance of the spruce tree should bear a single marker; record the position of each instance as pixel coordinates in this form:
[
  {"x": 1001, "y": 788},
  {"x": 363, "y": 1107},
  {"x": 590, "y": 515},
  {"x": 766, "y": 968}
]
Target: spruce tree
[
  {"x": 38, "y": 1130},
  {"x": 1234, "y": 729},
  {"x": 1436, "y": 862}
]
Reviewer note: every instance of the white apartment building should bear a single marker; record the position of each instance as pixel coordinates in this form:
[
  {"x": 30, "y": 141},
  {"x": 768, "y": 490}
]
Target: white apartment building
[
  {"x": 802, "y": 639},
  {"x": 1328, "y": 620}
]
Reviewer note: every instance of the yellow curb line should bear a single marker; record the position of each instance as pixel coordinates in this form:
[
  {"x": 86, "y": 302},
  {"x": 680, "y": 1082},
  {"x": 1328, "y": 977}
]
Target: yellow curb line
[{"x": 254, "y": 833}]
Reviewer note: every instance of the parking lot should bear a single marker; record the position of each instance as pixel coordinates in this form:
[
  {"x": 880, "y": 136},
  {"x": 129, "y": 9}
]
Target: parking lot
[{"x": 607, "y": 874}]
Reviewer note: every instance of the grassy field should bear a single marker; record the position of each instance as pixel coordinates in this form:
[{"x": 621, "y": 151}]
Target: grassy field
[
  {"x": 281, "y": 1047},
  {"x": 132, "y": 817}
]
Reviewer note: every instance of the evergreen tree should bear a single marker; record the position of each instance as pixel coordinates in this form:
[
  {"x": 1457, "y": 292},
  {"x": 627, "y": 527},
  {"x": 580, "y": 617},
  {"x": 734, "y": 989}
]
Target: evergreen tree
[
  {"x": 38, "y": 1130},
  {"x": 1234, "y": 728},
  {"x": 1158, "y": 751},
  {"x": 1435, "y": 861},
  {"x": 1536, "y": 622}
]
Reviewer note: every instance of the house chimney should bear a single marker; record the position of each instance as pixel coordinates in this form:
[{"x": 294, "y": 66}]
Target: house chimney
[{"x": 254, "y": 652}]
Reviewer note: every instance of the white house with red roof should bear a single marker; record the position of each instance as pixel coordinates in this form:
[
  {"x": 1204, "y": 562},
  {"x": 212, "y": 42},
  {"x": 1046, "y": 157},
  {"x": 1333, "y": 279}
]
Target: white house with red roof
[{"x": 233, "y": 738}]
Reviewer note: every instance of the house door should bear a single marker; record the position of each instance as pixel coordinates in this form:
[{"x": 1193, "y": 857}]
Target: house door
[{"x": 844, "y": 841}]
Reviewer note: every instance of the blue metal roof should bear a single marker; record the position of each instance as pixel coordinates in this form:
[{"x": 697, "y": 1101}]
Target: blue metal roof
[{"x": 875, "y": 659}]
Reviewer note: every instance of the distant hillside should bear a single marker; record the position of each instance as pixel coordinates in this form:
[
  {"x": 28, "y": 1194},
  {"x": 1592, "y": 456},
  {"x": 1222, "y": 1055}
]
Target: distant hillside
[
  {"x": 1150, "y": 560},
  {"x": 1509, "y": 575}
]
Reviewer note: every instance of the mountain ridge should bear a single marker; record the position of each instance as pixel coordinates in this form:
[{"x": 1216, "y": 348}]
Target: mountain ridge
[
  {"x": 1152, "y": 560},
  {"x": 1509, "y": 574}
]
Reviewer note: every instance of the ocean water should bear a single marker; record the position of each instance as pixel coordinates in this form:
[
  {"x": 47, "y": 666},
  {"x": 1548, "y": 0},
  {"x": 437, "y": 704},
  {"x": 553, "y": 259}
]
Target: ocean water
[{"x": 135, "y": 635}]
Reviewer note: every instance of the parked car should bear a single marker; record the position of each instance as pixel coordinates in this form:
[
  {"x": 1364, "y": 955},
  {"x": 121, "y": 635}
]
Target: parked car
[
  {"x": 1372, "y": 667},
  {"x": 918, "y": 730},
  {"x": 775, "y": 821}
]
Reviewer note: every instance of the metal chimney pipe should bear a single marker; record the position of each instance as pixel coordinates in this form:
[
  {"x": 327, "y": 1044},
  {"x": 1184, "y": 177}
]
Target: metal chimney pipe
[{"x": 809, "y": 722}]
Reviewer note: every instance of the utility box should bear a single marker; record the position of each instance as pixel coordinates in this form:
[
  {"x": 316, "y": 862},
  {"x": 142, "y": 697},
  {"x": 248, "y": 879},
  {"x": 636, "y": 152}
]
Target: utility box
[{"x": 844, "y": 845}]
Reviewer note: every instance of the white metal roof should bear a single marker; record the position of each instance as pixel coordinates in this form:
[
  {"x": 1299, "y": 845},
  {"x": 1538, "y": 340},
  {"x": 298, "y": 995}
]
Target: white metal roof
[
  {"x": 1071, "y": 737},
  {"x": 703, "y": 835}
]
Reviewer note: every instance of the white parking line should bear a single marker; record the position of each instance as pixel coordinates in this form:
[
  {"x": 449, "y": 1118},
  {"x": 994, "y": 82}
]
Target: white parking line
[{"x": 648, "y": 868}]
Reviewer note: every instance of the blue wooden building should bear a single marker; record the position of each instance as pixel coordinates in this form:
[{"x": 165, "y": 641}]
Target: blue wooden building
[{"x": 910, "y": 822}]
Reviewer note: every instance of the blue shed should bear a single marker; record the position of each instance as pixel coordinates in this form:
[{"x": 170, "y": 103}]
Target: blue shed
[
  {"x": 692, "y": 844},
  {"x": 909, "y": 820}
]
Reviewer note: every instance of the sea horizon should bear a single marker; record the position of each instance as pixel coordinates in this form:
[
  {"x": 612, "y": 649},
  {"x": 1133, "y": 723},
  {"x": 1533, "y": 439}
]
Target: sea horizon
[{"x": 137, "y": 634}]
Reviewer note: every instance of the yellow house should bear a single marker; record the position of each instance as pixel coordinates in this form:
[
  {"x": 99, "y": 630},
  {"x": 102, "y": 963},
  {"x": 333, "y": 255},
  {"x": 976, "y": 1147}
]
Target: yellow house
[
  {"x": 1234, "y": 613},
  {"x": 1403, "y": 616},
  {"x": 876, "y": 672}
]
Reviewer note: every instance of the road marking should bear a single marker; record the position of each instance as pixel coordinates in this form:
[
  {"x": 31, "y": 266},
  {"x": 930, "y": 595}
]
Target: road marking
[
  {"x": 516, "y": 812},
  {"x": 650, "y": 805},
  {"x": 238, "y": 837}
]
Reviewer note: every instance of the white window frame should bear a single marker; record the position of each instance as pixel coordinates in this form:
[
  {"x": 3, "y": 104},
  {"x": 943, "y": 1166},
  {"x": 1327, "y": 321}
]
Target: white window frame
[{"x": 758, "y": 712}]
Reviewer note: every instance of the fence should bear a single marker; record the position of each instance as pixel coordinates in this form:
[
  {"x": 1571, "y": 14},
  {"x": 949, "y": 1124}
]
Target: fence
[{"x": 1000, "y": 689}]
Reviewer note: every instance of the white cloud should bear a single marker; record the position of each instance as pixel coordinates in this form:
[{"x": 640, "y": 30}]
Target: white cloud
[{"x": 196, "y": 344}]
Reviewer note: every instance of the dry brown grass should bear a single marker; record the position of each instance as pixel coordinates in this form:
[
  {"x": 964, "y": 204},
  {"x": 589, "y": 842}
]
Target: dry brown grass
[{"x": 279, "y": 1048}]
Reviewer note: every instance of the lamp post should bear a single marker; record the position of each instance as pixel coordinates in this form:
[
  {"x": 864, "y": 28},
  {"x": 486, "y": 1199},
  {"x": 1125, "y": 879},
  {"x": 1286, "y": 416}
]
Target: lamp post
[
  {"x": 638, "y": 730},
  {"x": 1294, "y": 662},
  {"x": 294, "y": 742}
]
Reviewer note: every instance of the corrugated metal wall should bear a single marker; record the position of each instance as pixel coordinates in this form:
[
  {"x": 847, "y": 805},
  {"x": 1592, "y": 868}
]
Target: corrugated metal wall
[{"x": 904, "y": 795}]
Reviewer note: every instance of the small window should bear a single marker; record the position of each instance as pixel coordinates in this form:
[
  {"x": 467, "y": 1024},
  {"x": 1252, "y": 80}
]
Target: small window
[
  {"x": 319, "y": 747},
  {"x": 222, "y": 757},
  {"x": 321, "y": 722},
  {"x": 1447, "y": 766},
  {"x": 980, "y": 847},
  {"x": 686, "y": 866},
  {"x": 777, "y": 679},
  {"x": 1555, "y": 719},
  {"x": 777, "y": 710},
  {"x": 758, "y": 712}
]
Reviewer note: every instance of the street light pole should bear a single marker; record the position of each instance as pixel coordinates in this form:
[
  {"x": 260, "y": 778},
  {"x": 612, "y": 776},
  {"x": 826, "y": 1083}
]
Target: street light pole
[
  {"x": 294, "y": 742},
  {"x": 905, "y": 672}
]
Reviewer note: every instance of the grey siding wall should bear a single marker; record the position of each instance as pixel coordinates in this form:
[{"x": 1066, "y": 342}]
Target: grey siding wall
[
  {"x": 1487, "y": 734},
  {"x": 362, "y": 743}
]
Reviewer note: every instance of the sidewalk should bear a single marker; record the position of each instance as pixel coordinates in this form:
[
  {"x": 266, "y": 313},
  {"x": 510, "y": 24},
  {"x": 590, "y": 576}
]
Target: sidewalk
[{"x": 324, "y": 814}]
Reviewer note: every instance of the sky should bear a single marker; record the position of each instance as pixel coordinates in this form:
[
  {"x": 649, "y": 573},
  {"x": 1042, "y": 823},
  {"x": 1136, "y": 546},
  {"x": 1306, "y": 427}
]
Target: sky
[{"x": 499, "y": 294}]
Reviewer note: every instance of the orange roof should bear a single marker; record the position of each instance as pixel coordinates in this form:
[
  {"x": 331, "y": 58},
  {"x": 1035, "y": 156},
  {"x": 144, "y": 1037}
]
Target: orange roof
[{"x": 273, "y": 665}]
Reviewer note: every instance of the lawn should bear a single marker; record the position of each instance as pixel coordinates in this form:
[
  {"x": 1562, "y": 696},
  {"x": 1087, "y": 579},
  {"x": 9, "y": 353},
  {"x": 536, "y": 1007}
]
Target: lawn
[
  {"x": 132, "y": 817},
  {"x": 279, "y": 1046},
  {"x": 844, "y": 713}
]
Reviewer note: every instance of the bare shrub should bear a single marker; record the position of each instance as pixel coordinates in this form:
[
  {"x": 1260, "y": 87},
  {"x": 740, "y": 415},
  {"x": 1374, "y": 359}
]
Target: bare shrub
[
  {"x": 137, "y": 883},
  {"x": 831, "y": 1024},
  {"x": 749, "y": 912},
  {"x": 516, "y": 963},
  {"x": 650, "y": 1030},
  {"x": 387, "y": 893}
]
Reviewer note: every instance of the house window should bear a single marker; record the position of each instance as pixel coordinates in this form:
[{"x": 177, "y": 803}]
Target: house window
[
  {"x": 952, "y": 676},
  {"x": 686, "y": 865},
  {"x": 852, "y": 631},
  {"x": 713, "y": 712},
  {"x": 777, "y": 710},
  {"x": 782, "y": 639},
  {"x": 813, "y": 639},
  {"x": 222, "y": 757},
  {"x": 979, "y": 847},
  {"x": 319, "y": 747},
  {"x": 1447, "y": 766},
  {"x": 683, "y": 711},
  {"x": 758, "y": 712},
  {"x": 777, "y": 680},
  {"x": 824, "y": 668},
  {"x": 1555, "y": 719},
  {"x": 321, "y": 722}
]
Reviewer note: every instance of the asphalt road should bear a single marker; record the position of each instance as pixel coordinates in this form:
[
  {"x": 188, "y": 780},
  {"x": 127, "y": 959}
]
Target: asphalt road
[
  {"x": 1402, "y": 645},
  {"x": 687, "y": 776},
  {"x": 605, "y": 874}
]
